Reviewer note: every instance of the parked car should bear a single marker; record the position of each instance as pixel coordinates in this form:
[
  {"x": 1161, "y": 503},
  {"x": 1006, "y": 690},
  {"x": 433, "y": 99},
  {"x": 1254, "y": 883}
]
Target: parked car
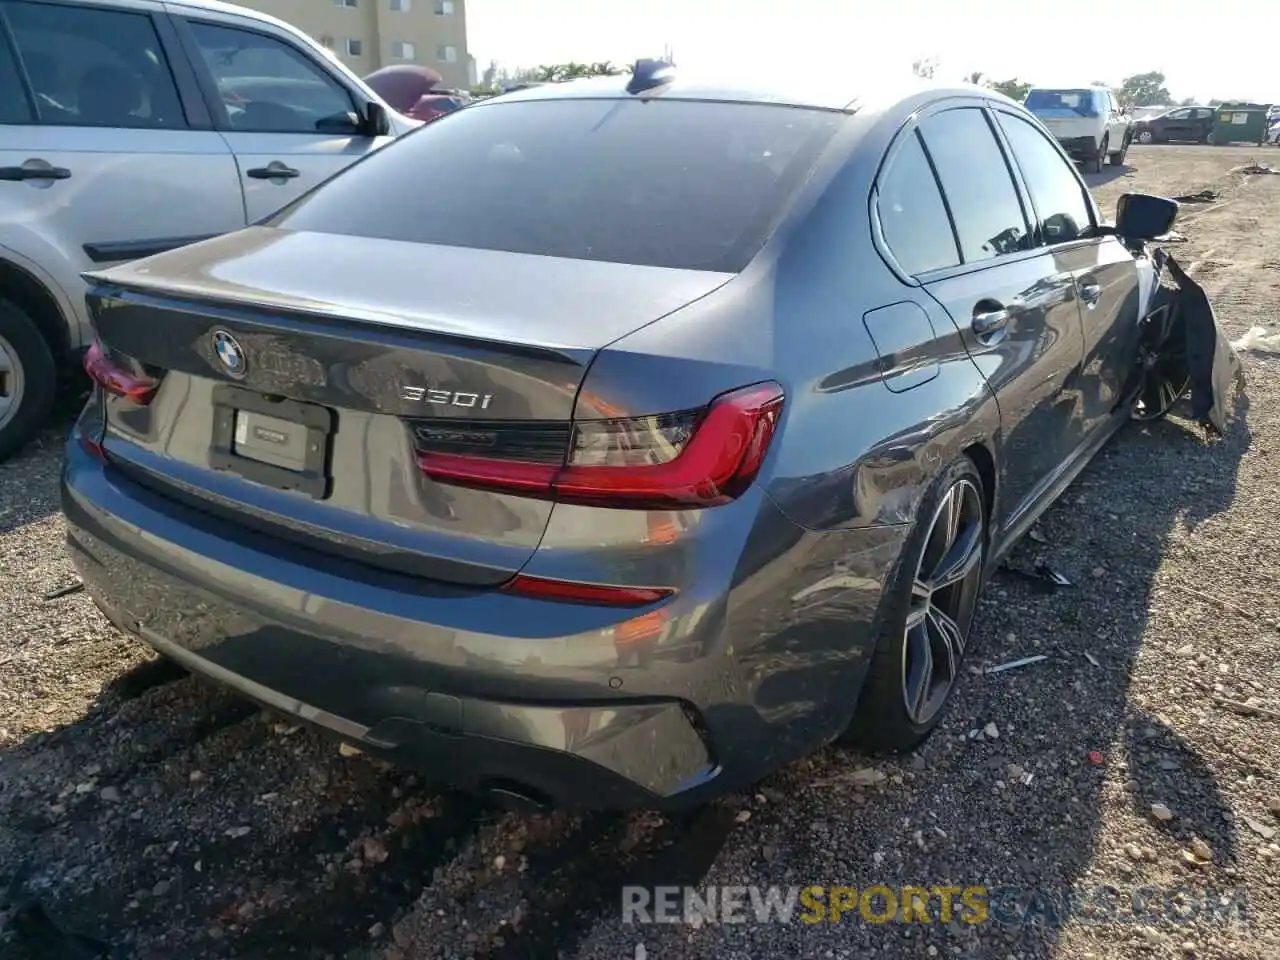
[
  {"x": 1185, "y": 123},
  {"x": 131, "y": 127},
  {"x": 615, "y": 475},
  {"x": 1087, "y": 122},
  {"x": 413, "y": 90}
]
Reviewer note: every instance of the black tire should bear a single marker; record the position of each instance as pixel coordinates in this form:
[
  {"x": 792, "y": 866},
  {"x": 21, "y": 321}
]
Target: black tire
[
  {"x": 883, "y": 722},
  {"x": 38, "y": 377},
  {"x": 1094, "y": 163},
  {"x": 1117, "y": 158}
]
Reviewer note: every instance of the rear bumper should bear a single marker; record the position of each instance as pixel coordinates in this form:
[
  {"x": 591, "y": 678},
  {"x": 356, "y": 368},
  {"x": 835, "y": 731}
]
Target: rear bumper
[
  {"x": 487, "y": 691},
  {"x": 1080, "y": 148}
]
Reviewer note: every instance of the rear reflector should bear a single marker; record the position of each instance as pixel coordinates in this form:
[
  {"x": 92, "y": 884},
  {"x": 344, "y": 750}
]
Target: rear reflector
[
  {"x": 697, "y": 458},
  {"x": 568, "y": 591},
  {"x": 116, "y": 377}
]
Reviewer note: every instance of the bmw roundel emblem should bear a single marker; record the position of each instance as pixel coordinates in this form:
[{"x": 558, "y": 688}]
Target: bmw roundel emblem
[{"x": 229, "y": 353}]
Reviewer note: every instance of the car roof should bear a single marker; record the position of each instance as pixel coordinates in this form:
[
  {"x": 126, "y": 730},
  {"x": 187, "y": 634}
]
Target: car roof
[{"x": 848, "y": 97}]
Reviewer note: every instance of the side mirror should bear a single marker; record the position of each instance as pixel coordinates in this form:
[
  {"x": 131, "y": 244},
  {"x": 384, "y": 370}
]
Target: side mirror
[
  {"x": 340, "y": 124},
  {"x": 1140, "y": 216},
  {"x": 376, "y": 121}
]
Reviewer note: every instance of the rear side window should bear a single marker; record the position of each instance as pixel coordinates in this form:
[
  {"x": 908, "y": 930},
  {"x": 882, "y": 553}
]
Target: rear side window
[
  {"x": 691, "y": 185},
  {"x": 95, "y": 68},
  {"x": 1055, "y": 192},
  {"x": 14, "y": 106},
  {"x": 913, "y": 218},
  {"x": 977, "y": 184}
]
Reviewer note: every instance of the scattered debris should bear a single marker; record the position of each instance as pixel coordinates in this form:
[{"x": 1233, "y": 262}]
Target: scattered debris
[
  {"x": 235, "y": 833},
  {"x": 65, "y": 591},
  {"x": 1260, "y": 828},
  {"x": 867, "y": 777},
  {"x": 991, "y": 731},
  {"x": 1097, "y": 759},
  {"x": 1247, "y": 708},
  {"x": 1037, "y": 536},
  {"x": 1015, "y": 664},
  {"x": 1201, "y": 849},
  {"x": 1204, "y": 196},
  {"x": 1161, "y": 812},
  {"x": 1044, "y": 577},
  {"x": 1257, "y": 169},
  {"x": 347, "y": 750},
  {"x": 1173, "y": 236},
  {"x": 1091, "y": 658},
  {"x": 1258, "y": 340},
  {"x": 743, "y": 816}
]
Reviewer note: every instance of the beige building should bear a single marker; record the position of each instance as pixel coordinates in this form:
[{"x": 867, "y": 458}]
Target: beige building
[{"x": 369, "y": 34}]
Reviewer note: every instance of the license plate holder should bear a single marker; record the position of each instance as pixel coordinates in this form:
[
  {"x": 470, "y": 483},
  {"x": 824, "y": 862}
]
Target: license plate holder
[{"x": 282, "y": 444}]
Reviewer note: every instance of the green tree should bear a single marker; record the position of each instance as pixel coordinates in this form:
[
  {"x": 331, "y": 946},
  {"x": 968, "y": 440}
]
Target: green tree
[
  {"x": 549, "y": 73},
  {"x": 1144, "y": 90},
  {"x": 1014, "y": 89},
  {"x": 975, "y": 77}
]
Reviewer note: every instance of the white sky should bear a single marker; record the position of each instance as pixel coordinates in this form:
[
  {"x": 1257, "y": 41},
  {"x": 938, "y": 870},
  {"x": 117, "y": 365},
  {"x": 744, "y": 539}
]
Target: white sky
[{"x": 1223, "y": 49}]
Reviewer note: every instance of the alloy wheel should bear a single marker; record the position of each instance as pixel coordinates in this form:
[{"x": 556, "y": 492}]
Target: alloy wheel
[
  {"x": 1162, "y": 359},
  {"x": 944, "y": 594},
  {"x": 11, "y": 382},
  {"x": 1145, "y": 136}
]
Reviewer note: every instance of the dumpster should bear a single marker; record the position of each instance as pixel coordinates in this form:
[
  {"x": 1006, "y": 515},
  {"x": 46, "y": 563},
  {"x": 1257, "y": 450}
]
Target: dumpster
[{"x": 1238, "y": 122}]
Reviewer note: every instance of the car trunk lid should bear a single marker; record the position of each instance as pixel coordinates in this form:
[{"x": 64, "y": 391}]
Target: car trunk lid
[{"x": 352, "y": 353}]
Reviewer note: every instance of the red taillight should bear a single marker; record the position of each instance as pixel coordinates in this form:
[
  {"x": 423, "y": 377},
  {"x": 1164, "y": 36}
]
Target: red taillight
[
  {"x": 569, "y": 591},
  {"x": 116, "y": 378},
  {"x": 696, "y": 459}
]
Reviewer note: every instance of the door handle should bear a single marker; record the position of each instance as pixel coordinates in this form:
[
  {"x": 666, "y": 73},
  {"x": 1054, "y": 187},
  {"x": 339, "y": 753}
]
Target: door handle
[
  {"x": 989, "y": 323},
  {"x": 1090, "y": 292},
  {"x": 276, "y": 172},
  {"x": 34, "y": 173}
]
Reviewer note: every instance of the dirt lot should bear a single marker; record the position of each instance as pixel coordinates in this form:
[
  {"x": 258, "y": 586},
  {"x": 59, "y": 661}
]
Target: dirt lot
[{"x": 168, "y": 819}]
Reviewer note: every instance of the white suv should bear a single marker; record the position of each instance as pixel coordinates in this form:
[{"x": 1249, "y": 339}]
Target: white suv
[
  {"x": 1087, "y": 121},
  {"x": 129, "y": 127}
]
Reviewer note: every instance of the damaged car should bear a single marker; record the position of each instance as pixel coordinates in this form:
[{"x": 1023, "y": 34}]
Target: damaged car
[{"x": 676, "y": 439}]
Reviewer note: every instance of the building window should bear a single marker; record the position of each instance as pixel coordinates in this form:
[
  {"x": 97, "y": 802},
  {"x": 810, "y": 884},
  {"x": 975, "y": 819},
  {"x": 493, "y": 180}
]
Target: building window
[
  {"x": 401, "y": 6},
  {"x": 350, "y": 4},
  {"x": 447, "y": 54},
  {"x": 444, "y": 8},
  {"x": 355, "y": 48},
  {"x": 402, "y": 51},
  {"x": 326, "y": 42}
]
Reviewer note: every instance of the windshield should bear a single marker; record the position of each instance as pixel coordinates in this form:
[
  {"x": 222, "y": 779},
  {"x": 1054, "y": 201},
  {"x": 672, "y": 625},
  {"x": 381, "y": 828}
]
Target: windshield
[
  {"x": 685, "y": 184},
  {"x": 1061, "y": 102}
]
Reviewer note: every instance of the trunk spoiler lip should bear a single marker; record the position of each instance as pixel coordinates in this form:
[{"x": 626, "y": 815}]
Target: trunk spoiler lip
[{"x": 383, "y": 325}]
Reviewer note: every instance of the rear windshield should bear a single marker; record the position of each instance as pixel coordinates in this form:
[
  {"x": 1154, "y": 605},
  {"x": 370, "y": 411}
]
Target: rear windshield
[
  {"x": 1079, "y": 102},
  {"x": 685, "y": 184}
]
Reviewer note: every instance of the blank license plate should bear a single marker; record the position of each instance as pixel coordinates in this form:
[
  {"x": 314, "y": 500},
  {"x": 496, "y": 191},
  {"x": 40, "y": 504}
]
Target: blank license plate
[{"x": 280, "y": 443}]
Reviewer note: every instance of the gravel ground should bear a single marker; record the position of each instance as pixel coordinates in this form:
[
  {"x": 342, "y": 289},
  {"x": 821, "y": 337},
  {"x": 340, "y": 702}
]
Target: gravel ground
[{"x": 149, "y": 811}]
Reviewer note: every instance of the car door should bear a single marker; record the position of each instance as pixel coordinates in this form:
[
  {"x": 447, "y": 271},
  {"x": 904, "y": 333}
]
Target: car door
[
  {"x": 289, "y": 120},
  {"x": 110, "y": 155},
  {"x": 1177, "y": 125},
  {"x": 1201, "y": 123},
  {"x": 1013, "y": 304},
  {"x": 1105, "y": 273},
  {"x": 1116, "y": 124}
]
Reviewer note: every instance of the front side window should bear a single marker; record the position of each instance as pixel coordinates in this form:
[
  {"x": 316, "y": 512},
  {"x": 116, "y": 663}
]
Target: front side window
[
  {"x": 95, "y": 68},
  {"x": 977, "y": 184},
  {"x": 266, "y": 85},
  {"x": 913, "y": 218},
  {"x": 1056, "y": 193},
  {"x": 691, "y": 185},
  {"x": 14, "y": 105}
]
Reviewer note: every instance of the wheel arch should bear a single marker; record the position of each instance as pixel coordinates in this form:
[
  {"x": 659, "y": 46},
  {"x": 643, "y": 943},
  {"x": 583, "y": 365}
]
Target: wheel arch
[
  {"x": 985, "y": 462},
  {"x": 25, "y": 290}
]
